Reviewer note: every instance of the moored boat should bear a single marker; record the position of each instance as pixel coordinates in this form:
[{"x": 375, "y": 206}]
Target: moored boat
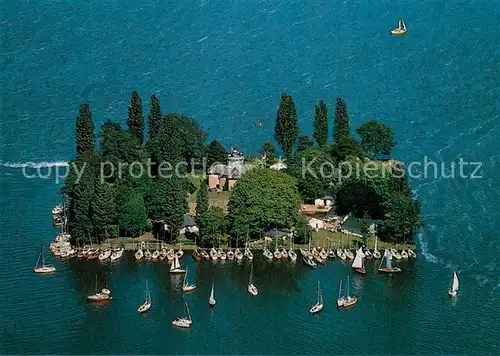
[
  {"x": 184, "y": 322},
  {"x": 411, "y": 253},
  {"x": 147, "y": 304},
  {"x": 40, "y": 266},
  {"x": 186, "y": 287},
  {"x": 358, "y": 263},
  {"x": 211, "y": 300},
  {"x": 319, "y": 304},
  {"x": 309, "y": 261},
  {"x": 404, "y": 255},
  {"x": 116, "y": 254},
  {"x": 455, "y": 285},
  {"x": 388, "y": 265},
  {"x": 176, "y": 266},
  {"x": 104, "y": 255},
  {"x": 400, "y": 30},
  {"x": 139, "y": 254},
  {"x": 252, "y": 289},
  {"x": 395, "y": 254}
]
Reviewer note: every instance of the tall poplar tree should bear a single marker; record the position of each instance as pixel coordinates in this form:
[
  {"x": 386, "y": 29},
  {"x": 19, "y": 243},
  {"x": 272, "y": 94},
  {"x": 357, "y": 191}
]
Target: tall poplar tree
[
  {"x": 135, "y": 120},
  {"x": 84, "y": 130},
  {"x": 286, "y": 128},
  {"x": 103, "y": 210},
  {"x": 154, "y": 117},
  {"x": 341, "y": 121},
  {"x": 321, "y": 124},
  {"x": 202, "y": 199}
]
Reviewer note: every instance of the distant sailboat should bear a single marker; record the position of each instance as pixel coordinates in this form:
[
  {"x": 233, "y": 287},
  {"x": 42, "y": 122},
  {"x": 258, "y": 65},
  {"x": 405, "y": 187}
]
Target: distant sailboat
[
  {"x": 40, "y": 266},
  {"x": 359, "y": 264},
  {"x": 400, "y": 30},
  {"x": 184, "y": 322},
  {"x": 187, "y": 287},
  {"x": 251, "y": 288},
  {"x": 102, "y": 296},
  {"x": 319, "y": 305},
  {"x": 340, "y": 298},
  {"x": 176, "y": 266},
  {"x": 388, "y": 267},
  {"x": 147, "y": 304},
  {"x": 453, "y": 290},
  {"x": 211, "y": 300},
  {"x": 349, "y": 300}
]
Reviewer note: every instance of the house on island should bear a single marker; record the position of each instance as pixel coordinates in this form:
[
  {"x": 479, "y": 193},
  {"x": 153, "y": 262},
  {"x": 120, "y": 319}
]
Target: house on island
[{"x": 224, "y": 176}]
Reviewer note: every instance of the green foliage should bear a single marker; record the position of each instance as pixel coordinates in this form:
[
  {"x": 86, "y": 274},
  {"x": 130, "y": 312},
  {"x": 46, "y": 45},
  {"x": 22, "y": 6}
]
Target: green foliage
[
  {"x": 314, "y": 170},
  {"x": 263, "y": 199},
  {"x": 135, "y": 120},
  {"x": 103, "y": 210},
  {"x": 321, "y": 124},
  {"x": 403, "y": 218},
  {"x": 286, "y": 128},
  {"x": 212, "y": 224},
  {"x": 216, "y": 153},
  {"x": 344, "y": 148},
  {"x": 304, "y": 143},
  {"x": 341, "y": 120},
  {"x": 364, "y": 227},
  {"x": 302, "y": 231},
  {"x": 202, "y": 198},
  {"x": 376, "y": 138},
  {"x": 84, "y": 131},
  {"x": 269, "y": 151},
  {"x": 154, "y": 117},
  {"x": 132, "y": 214}
]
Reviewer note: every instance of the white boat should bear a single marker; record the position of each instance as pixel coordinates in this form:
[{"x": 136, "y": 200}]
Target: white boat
[
  {"x": 395, "y": 254},
  {"x": 322, "y": 254},
  {"x": 277, "y": 254},
  {"x": 147, "y": 254},
  {"x": 368, "y": 253},
  {"x": 359, "y": 262},
  {"x": 284, "y": 253},
  {"x": 184, "y": 322},
  {"x": 102, "y": 296},
  {"x": 213, "y": 254},
  {"x": 340, "y": 298},
  {"x": 176, "y": 266},
  {"x": 230, "y": 254},
  {"x": 341, "y": 254},
  {"x": 348, "y": 300},
  {"x": 147, "y": 304},
  {"x": 248, "y": 254},
  {"x": 308, "y": 260},
  {"x": 331, "y": 253},
  {"x": 185, "y": 286},
  {"x": 170, "y": 255},
  {"x": 104, "y": 255},
  {"x": 292, "y": 255},
  {"x": 204, "y": 254},
  {"x": 319, "y": 305},
  {"x": 163, "y": 254},
  {"x": 388, "y": 267},
  {"x": 252, "y": 289},
  {"x": 155, "y": 255},
  {"x": 412, "y": 254},
  {"x": 211, "y": 300},
  {"x": 117, "y": 254},
  {"x": 376, "y": 252},
  {"x": 139, "y": 254},
  {"x": 400, "y": 30},
  {"x": 453, "y": 290},
  {"x": 349, "y": 254},
  {"x": 238, "y": 255},
  {"x": 40, "y": 266},
  {"x": 268, "y": 254},
  {"x": 219, "y": 253},
  {"x": 179, "y": 253},
  {"x": 404, "y": 255}
]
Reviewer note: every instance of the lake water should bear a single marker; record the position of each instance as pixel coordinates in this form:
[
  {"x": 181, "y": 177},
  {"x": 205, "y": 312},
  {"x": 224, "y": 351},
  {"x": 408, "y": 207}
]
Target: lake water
[{"x": 226, "y": 64}]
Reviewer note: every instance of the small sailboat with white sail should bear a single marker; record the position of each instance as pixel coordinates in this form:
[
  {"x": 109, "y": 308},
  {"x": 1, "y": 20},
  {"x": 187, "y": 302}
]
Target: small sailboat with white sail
[
  {"x": 184, "y": 322},
  {"x": 359, "y": 262},
  {"x": 147, "y": 304},
  {"x": 40, "y": 266},
  {"x": 319, "y": 305},
  {"x": 211, "y": 300},
  {"x": 395, "y": 254},
  {"x": 388, "y": 264},
  {"x": 186, "y": 287},
  {"x": 400, "y": 30},
  {"x": 453, "y": 290},
  {"x": 176, "y": 266},
  {"x": 252, "y": 289}
]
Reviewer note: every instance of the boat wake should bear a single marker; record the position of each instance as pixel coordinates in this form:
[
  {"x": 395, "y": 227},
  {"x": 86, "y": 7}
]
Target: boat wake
[
  {"x": 424, "y": 248},
  {"x": 34, "y": 164}
]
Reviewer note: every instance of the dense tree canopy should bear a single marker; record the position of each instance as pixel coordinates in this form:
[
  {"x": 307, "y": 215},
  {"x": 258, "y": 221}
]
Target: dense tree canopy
[
  {"x": 263, "y": 199},
  {"x": 135, "y": 119},
  {"x": 269, "y": 151},
  {"x": 321, "y": 124},
  {"x": 84, "y": 130},
  {"x": 202, "y": 198},
  {"x": 344, "y": 148},
  {"x": 304, "y": 143},
  {"x": 341, "y": 121},
  {"x": 212, "y": 224},
  {"x": 154, "y": 117},
  {"x": 104, "y": 211},
  {"x": 132, "y": 214},
  {"x": 376, "y": 138},
  {"x": 215, "y": 153},
  {"x": 286, "y": 128}
]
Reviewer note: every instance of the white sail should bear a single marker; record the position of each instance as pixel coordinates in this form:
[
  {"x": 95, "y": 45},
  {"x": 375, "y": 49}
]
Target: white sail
[
  {"x": 455, "y": 284},
  {"x": 184, "y": 284},
  {"x": 388, "y": 258},
  {"x": 176, "y": 263},
  {"x": 212, "y": 297},
  {"x": 404, "y": 25},
  {"x": 172, "y": 266},
  {"x": 358, "y": 261}
]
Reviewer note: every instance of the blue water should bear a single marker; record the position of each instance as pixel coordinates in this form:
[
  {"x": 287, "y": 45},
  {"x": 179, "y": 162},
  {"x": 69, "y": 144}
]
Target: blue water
[{"x": 226, "y": 65}]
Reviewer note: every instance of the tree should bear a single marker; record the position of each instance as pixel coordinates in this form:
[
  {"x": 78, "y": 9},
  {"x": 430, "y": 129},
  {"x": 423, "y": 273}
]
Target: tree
[
  {"x": 321, "y": 124},
  {"x": 269, "y": 151},
  {"x": 154, "y": 117},
  {"x": 314, "y": 171},
  {"x": 202, "y": 199},
  {"x": 403, "y": 216},
  {"x": 84, "y": 130},
  {"x": 263, "y": 199},
  {"x": 103, "y": 210},
  {"x": 212, "y": 224},
  {"x": 364, "y": 227},
  {"x": 286, "y": 128},
  {"x": 304, "y": 143},
  {"x": 215, "y": 153},
  {"x": 135, "y": 120},
  {"x": 132, "y": 216},
  {"x": 376, "y": 138},
  {"x": 341, "y": 120},
  {"x": 176, "y": 204},
  {"x": 302, "y": 231},
  {"x": 360, "y": 198},
  {"x": 345, "y": 147}
]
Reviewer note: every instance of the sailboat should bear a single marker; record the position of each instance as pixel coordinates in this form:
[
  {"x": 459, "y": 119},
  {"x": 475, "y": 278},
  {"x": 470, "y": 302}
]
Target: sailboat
[
  {"x": 40, "y": 266},
  {"x": 147, "y": 304},
  {"x": 404, "y": 255},
  {"x": 102, "y": 296},
  {"x": 176, "y": 266},
  {"x": 341, "y": 254},
  {"x": 170, "y": 255},
  {"x": 388, "y": 268},
  {"x": 340, "y": 298},
  {"x": 348, "y": 300},
  {"x": 277, "y": 253},
  {"x": 376, "y": 252},
  {"x": 104, "y": 255},
  {"x": 211, "y": 300},
  {"x": 453, "y": 290},
  {"x": 117, "y": 254},
  {"x": 187, "y": 287},
  {"x": 230, "y": 254},
  {"x": 411, "y": 253},
  {"x": 359, "y": 262},
  {"x": 139, "y": 254},
  {"x": 251, "y": 288},
  {"x": 400, "y": 30},
  {"x": 184, "y": 322},
  {"x": 291, "y": 253},
  {"x": 319, "y": 305},
  {"x": 213, "y": 254},
  {"x": 204, "y": 254},
  {"x": 395, "y": 254}
]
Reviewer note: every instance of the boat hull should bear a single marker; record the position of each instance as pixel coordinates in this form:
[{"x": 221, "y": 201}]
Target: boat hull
[
  {"x": 188, "y": 288},
  {"x": 144, "y": 308},
  {"x": 316, "y": 308},
  {"x": 452, "y": 294},
  {"x": 360, "y": 270},
  {"x": 389, "y": 270},
  {"x": 178, "y": 270}
]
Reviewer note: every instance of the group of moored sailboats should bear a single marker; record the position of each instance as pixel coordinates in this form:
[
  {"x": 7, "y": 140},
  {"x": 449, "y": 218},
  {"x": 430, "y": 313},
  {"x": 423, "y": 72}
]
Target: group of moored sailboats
[{"x": 344, "y": 300}]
